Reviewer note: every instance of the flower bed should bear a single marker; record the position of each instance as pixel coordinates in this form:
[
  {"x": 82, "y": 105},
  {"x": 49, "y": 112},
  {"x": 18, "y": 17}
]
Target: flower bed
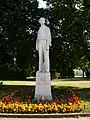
[{"x": 19, "y": 102}]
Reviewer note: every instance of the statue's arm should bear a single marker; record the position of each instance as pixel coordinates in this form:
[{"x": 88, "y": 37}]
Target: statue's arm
[
  {"x": 36, "y": 45},
  {"x": 37, "y": 40},
  {"x": 49, "y": 37}
]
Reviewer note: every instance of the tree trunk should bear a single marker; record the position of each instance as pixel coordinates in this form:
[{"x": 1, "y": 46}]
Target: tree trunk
[{"x": 83, "y": 73}]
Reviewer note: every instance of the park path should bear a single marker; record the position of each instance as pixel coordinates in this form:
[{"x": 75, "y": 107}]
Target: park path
[
  {"x": 81, "y": 84},
  {"x": 80, "y": 118}
]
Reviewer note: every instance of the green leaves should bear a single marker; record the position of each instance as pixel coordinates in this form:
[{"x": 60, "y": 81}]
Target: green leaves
[
  {"x": 69, "y": 42},
  {"x": 68, "y": 22}
]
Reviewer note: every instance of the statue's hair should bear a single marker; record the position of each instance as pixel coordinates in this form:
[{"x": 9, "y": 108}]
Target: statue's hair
[
  {"x": 41, "y": 19},
  {"x": 46, "y": 20}
]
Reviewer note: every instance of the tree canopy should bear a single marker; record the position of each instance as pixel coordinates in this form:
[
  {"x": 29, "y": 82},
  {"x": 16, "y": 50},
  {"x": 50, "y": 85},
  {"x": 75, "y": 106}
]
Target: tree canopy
[{"x": 70, "y": 28}]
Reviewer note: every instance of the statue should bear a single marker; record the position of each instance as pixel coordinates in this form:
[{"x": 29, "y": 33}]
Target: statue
[
  {"x": 42, "y": 46},
  {"x": 43, "y": 79}
]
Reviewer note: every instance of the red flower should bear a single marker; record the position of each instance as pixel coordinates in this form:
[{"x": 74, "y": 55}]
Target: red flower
[
  {"x": 53, "y": 103},
  {"x": 25, "y": 102},
  {"x": 28, "y": 100},
  {"x": 16, "y": 100},
  {"x": 70, "y": 99},
  {"x": 56, "y": 99},
  {"x": 63, "y": 99},
  {"x": 28, "y": 97}
]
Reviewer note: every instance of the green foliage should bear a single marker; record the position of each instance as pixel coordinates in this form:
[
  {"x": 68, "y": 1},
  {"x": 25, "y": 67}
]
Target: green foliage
[
  {"x": 70, "y": 28},
  {"x": 69, "y": 40},
  {"x": 18, "y": 20}
]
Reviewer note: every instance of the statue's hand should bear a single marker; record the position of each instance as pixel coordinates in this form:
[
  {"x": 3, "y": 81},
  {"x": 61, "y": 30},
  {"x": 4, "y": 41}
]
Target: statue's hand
[
  {"x": 47, "y": 47},
  {"x": 36, "y": 47},
  {"x": 50, "y": 45}
]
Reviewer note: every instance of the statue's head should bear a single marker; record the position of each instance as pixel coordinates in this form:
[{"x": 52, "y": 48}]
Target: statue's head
[{"x": 42, "y": 20}]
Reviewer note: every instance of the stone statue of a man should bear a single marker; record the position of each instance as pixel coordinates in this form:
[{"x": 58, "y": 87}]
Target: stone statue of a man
[{"x": 42, "y": 46}]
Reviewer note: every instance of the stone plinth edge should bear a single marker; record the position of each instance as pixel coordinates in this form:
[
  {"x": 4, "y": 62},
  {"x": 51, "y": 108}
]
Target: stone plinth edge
[{"x": 57, "y": 115}]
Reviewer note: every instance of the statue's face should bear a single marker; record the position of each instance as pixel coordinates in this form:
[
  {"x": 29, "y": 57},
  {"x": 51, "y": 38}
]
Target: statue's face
[{"x": 42, "y": 21}]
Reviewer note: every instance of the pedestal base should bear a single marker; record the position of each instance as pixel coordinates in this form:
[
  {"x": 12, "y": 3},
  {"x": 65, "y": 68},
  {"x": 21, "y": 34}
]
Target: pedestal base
[{"x": 43, "y": 86}]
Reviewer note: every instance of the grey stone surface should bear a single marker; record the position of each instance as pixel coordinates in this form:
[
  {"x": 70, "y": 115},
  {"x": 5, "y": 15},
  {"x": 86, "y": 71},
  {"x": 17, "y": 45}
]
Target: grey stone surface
[
  {"x": 42, "y": 45},
  {"x": 43, "y": 81},
  {"x": 80, "y": 118},
  {"x": 43, "y": 86}
]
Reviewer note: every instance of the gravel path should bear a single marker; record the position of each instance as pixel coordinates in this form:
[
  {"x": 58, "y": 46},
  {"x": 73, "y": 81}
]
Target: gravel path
[{"x": 80, "y": 118}]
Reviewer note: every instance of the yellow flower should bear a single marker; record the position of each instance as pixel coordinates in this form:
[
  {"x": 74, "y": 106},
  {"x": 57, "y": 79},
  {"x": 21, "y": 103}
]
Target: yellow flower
[
  {"x": 60, "y": 106},
  {"x": 40, "y": 107},
  {"x": 2, "y": 110},
  {"x": 35, "y": 106},
  {"x": 50, "y": 109},
  {"x": 3, "y": 106},
  {"x": 40, "y": 104},
  {"x": 56, "y": 108},
  {"x": 45, "y": 105},
  {"x": 14, "y": 109},
  {"x": 64, "y": 110},
  {"x": 70, "y": 103}
]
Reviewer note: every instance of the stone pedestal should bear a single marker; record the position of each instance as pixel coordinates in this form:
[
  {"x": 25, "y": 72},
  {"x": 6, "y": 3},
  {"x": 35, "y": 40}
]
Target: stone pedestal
[{"x": 43, "y": 86}]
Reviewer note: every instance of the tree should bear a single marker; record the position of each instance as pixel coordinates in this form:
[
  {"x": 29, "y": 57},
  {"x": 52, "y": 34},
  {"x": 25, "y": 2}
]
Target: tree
[
  {"x": 69, "y": 42},
  {"x": 18, "y": 20},
  {"x": 70, "y": 28}
]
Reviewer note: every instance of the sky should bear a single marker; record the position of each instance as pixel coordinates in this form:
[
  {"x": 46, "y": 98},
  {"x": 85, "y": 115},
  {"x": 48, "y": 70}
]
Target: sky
[{"x": 42, "y": 4}]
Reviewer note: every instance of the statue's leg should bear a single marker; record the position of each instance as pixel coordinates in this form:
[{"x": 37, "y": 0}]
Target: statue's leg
[
  {"x": 46, "y": 59},
  {"x": 40, "y": 56}
]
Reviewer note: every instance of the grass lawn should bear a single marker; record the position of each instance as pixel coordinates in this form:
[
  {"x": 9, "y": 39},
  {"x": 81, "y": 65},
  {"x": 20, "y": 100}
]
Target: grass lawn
[{"x": 82, "y": 88}]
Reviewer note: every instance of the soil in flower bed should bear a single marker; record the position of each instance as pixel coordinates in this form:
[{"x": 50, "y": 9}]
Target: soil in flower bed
[
  {"x": 83, "y": 93},
  {"x": 19, "y": 99}
]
